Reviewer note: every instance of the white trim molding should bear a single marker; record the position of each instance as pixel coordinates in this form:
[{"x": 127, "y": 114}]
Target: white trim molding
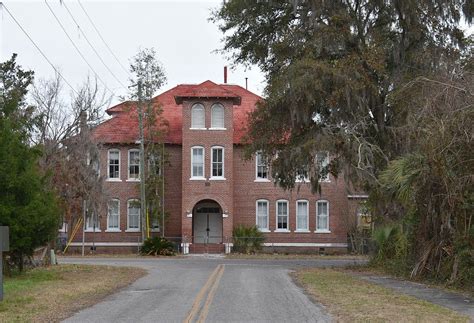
[
  {"x": 357, "y": 196},
  {"x": 107, "y": 244},
  {"x": 306, "y": 244}
]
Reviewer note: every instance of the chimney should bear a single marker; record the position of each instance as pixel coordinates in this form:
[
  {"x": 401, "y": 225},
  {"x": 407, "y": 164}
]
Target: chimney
[
  {"x": 246, "y": 83},
  {"x": 225, "y": 74}
]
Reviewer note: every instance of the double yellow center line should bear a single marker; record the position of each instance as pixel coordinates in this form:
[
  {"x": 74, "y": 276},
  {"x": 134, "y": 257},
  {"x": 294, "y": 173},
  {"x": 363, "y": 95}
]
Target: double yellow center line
[{"x": 209, "y": 288}]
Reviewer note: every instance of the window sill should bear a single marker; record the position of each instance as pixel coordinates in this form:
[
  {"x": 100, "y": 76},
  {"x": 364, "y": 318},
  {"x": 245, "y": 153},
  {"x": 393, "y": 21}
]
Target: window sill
[
  {"x": 113, "y": 230},
  {"x": 302, "y": 181},
  {"x": 264, "y": 230},
  {"x": 262, "y": 180},
  {"x": 217, "y": 179},
  {"x": 197, "y": 179},
  {"x": 282, "y": 231},
  {"x": 302, "y": 231},
  {"x": 132, "y": 230},
  {"x": 155, "y": 230},
  {"x": 113, "y": 180},
  {"x": 322, "y": 231},
  {"x": 197, "y": 128},
  {"x": 325, "y": 181},
  {"x": 217, "y": 128},
  {"x": 133, "y": 180},
  {"x": 92, "y": 230}
]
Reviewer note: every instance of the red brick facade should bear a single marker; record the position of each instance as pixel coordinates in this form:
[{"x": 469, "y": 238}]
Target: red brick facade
[{"x": 235, "y": 194}]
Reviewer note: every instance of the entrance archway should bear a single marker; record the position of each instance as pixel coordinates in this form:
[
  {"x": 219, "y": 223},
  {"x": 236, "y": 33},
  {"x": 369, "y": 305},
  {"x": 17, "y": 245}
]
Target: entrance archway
[{"x": 207, "y": 222}]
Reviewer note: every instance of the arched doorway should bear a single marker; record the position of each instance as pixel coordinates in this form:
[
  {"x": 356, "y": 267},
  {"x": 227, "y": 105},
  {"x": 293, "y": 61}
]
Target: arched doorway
[{"x": 207, "y": 222}]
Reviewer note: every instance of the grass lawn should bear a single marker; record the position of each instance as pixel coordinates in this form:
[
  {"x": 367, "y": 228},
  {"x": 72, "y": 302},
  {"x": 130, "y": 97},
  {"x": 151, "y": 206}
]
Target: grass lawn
[
  {"x": 350, "y": 299},
  {"x": 53, "y": 294}
]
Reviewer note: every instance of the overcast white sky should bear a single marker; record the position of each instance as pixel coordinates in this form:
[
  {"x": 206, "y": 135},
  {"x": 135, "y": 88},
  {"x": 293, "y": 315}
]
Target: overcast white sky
[{"x": 180, "y": 32}]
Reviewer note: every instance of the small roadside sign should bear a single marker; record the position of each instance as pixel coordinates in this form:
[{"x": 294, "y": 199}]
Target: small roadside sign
[{"x": 4, "y": 246}]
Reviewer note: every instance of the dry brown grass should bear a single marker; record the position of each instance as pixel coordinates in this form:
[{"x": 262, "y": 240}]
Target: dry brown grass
[
  {"x": 55, "y": 293},
  {"x": 276, "y": 256},
  {"x": 350, "y": 299}
]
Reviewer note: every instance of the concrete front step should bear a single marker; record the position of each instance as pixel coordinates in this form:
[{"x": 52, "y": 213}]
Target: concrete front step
[{"x": 206, "y": 248}]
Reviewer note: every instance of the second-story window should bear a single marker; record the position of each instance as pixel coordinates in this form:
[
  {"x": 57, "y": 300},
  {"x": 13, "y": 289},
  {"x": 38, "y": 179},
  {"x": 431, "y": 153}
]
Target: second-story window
[
  {"x": 322, "y": 160},
  {"x": 197, "y": 162},
  {"x": 198, "y": 117},
  {"x": 114, "y": 164},
  {"x": 217, "y": 116},
  {"x": 134, "y": 164},
  {"x": 217, "y": 162},
  {"x": 261, "y": 166}
]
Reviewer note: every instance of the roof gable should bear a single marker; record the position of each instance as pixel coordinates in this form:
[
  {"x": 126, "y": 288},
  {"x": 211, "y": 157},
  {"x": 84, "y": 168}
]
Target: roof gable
[{"x": 207, "y": 89}]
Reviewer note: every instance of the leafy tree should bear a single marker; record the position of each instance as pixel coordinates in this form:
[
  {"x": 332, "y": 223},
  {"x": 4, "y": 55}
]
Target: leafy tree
[
  {"x": 331, "y": 68},
  {"x": 386, "y": 88},
  {"x": 433, "y": 182},
  {"x": 26, "y": 206}
]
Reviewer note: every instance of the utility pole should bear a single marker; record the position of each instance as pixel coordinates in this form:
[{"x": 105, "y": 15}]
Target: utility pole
[
  {"x": 142, "y": 161},
  {"x": 84, "y": 226},
  {"x": 162, "y": 173}
]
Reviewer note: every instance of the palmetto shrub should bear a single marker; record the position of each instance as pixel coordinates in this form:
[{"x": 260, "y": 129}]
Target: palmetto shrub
[
  {"x": 247, "y": 239},
  {"x": 157, "y": 246}
]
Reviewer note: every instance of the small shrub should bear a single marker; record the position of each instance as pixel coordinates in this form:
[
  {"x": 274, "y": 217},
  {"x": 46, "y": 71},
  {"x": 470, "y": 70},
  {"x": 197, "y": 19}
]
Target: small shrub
[
  {"x": 247, "y": 239},
  {"x": 391, "y": 249},
  {"x": 157, "y": 246}
]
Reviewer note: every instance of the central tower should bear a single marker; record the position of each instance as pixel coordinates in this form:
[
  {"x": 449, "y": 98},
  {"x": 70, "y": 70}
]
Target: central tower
[{"x": 207, "y": 167}]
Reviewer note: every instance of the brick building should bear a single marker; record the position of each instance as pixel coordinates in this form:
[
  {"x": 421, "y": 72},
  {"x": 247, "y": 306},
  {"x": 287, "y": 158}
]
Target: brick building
[{"x": 209, "y": 187}]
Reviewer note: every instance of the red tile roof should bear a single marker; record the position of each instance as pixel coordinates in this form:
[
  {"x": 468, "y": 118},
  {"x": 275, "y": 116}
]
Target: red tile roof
[
  {"x": 207, "y": 89},
  {"x": 123, "y": 126}
]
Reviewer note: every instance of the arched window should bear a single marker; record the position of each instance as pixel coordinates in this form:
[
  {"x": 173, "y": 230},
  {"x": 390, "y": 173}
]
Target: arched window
[
  {"x": 197, "y": 116},
  {"x": 217, "y": 116}
]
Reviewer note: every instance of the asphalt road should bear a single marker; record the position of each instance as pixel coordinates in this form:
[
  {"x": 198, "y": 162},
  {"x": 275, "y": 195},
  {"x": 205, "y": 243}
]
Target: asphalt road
[{"x": 201, "y": 289}]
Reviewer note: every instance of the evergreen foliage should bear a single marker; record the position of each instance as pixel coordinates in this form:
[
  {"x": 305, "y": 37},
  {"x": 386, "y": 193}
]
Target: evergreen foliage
[
  {"x": 386, "y": 88},
  {"x": 26, "y": 205},
  {"x": 247, "y": 239},
  {"x": 157, "y": 246}
]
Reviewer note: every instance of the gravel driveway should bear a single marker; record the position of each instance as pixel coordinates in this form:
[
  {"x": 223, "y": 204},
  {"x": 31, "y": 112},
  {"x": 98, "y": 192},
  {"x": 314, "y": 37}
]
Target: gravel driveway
[{"x": 207, "y": 289}]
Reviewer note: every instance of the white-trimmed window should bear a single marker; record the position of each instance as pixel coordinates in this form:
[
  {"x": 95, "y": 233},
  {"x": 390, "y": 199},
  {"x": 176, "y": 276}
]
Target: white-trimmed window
[
  {"x": 261, "y": 167},
  {"x": 262, "y": 215},
  {"x": 217, "y": 116},
  {"x": 197, "y": 162},
  {"x": 113, "y": 162},
  {"x": 134, "y": 164},
  {"x": 322, "y": 216},
  {"x": 322, "y": 160},
  {"x": 93, "y": 162},
  {"x": 302, "y": 212},
  {"x": 92, "y": 223},
  {"x": 217, "y": 162},
  {"x": 133, "y": 215},
  {"x": 302, "y": 175},
  {"x": 198, "y": 117},
  {"x": 282, "y": 215},
  {"x": 113, "y": 215},
  {"x": 154, "y": 164}
]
